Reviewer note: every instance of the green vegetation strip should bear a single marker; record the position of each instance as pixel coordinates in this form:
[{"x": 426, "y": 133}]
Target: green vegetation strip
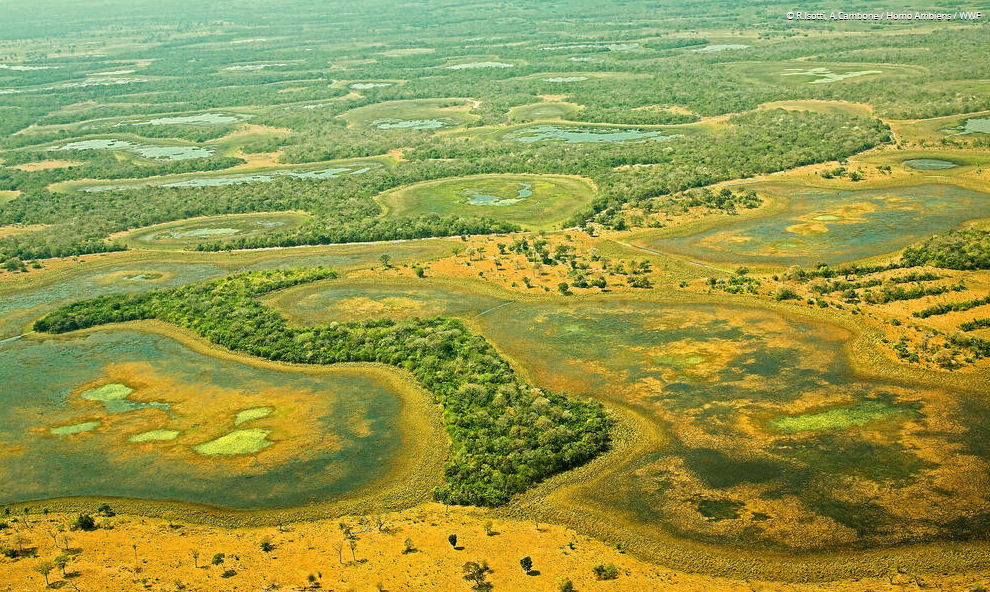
[
  {"x": 946, "y": 308},
  {"x": 975, "y": 324},
  {"x": 505, "y": 435}
]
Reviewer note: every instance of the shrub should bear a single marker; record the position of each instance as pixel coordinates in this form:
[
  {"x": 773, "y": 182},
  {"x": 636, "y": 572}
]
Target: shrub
[
  {"x": 605, "y": 571},
  {"x": 84, "y": 522},
  {"x": 218, "y": 559},
  {"x": 785, "y": 294}
]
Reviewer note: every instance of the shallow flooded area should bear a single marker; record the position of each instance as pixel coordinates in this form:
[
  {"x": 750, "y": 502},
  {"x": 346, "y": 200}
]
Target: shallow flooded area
[
  {"x": 828, "y": 226},
  {"x": 823, "y": 75},
  {"x": 930, "y": 164},
  {"x": 759, "y": 413},
  {"x": 166, "y": 422},
  {"x": 972, "y": 126},
  {"x": 198, "y": 119},
  {"x": 576, "y": 134},
  {"x": 145, "y": 150}
]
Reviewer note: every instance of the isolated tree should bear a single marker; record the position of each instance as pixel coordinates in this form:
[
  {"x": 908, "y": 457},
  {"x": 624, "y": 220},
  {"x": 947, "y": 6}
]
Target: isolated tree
[
  {"x": 564, "y": 584},
  {"x": 84, "y": 522},
  {"x": 477, "y": 574},
  {"x": 352, "y": 543},
  {"x": 218, "y": 559},
  {"x": 489, "y": 528},
  {"x": 384, "y": 259},
  {"x": 195, "y": 558},
  {"x": 61, "y": 561},
  {"x": 526, "y": 563},
  {"x": 408, "y": 546},
  {"x": 44, "y": 568},
  {"x": 452, "y": 539},
  {"x": 267, "y": 546},
  {"x": 340, "y": 552}
]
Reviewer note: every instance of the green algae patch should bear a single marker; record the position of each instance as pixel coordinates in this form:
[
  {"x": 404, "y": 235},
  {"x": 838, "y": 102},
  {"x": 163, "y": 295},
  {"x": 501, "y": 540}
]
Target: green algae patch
[
  {"x": 78, "y": 428},
  {"x": 835, "y": 419},
  {"x": 155, "y": 436},
  {"x": 107, "y": 393},
  {"x": 252, "y": 414},
  {"x": 237, "y": 442},
  {"x": 114, "y": 398}
]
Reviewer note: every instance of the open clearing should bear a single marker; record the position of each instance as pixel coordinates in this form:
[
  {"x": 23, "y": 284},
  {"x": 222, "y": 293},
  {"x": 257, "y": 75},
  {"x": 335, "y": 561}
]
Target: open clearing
[{"x": 535, "y": 202}]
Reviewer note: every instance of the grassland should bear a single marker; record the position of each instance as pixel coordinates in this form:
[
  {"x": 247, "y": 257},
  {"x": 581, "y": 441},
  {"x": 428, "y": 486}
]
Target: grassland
[
  {"x": 186, "y": 234},
  {"x": 425, "y": 114},
  {"x": 534, "y": 202}
]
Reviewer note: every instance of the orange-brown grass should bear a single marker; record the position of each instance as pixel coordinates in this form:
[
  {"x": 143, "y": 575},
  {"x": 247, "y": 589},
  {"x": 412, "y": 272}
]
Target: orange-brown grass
[
  {"x": 44, "y": 165},
  {"x": 479, "y": 257},
  {"x": 134, "y": 553},
  {"x": 895, "y": 320}
]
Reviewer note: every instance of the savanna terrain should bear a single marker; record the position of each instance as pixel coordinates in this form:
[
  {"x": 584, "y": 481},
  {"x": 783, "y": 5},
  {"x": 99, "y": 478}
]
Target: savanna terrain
[{"x": 303, "y": 295}]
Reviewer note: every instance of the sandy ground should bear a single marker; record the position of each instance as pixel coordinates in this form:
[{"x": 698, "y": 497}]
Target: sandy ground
[
  {"x": 44, "y": 165},
  {"x": 145, "y": 554}
]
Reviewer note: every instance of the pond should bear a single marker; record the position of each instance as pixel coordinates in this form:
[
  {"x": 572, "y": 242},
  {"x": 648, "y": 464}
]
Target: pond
[
  {"x": 478, "y": 65},
  {"x": 321, "y": 436},
  {"x": 827, "y": 226},
  {"x": 369, "y": 85},
  {"x": 930, "y": 164},
  {"x": 416, "y": 124},
  {"x": 219, "y": 181},
  {"x": 483, "y": 199},
  {"x": 608, "y": 46},
  {"x": 199, "y": 119},
  {"x": 24, "y": 68},
  {"x": 186, "y": 234},
  {"x": 825, "y": 75},
  {"x": 251, "y": 67},
  {"x": 264, "y": 177},
  {"x": 575, "y": 135},
  {"x": 972, "y": 126},
  {"x": 145, "y": 150},
  {"x": 722, "y": 47}
]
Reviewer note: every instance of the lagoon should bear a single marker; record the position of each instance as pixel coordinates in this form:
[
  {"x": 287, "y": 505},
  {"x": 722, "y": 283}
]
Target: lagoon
[
  {"x": 145, "y": 150},
  {"x": 574, "y": 135}
]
